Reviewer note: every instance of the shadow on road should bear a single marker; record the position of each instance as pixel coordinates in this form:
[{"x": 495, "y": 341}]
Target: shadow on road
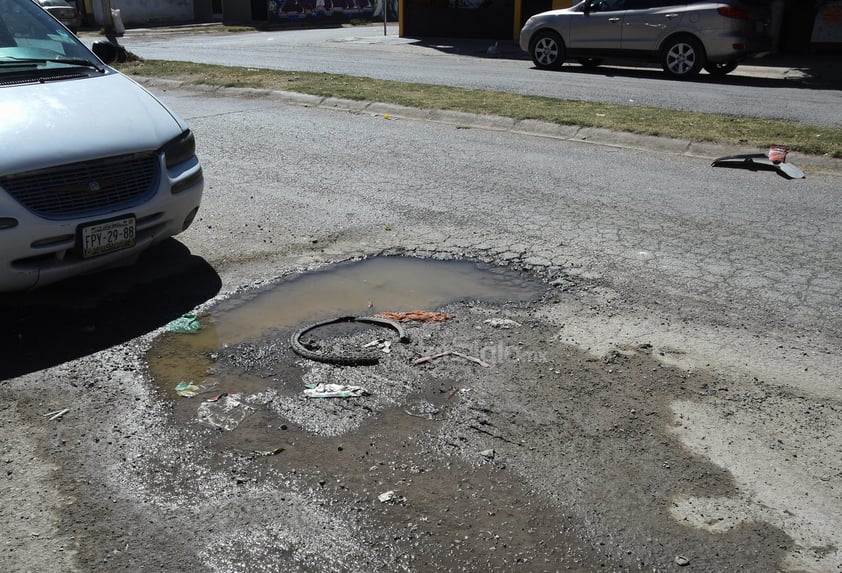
[
  {"x": 802, "y": 76},
  {"x": 733, "y": 79},
  {"x": 807, "y": 77},
  {"x": 480, "y": 48},
  {"x": 49, "y": 326}
]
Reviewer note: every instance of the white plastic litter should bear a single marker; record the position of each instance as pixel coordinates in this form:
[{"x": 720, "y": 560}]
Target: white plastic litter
[
  {"x": 335, "y": 391},
  {"x": 226, "y": 413},
  {"x": 504, "y": 323}
]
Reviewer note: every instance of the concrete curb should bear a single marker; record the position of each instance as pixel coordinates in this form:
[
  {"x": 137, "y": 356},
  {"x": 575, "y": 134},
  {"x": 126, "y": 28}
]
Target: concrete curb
[{"x": 587, "y": 135}]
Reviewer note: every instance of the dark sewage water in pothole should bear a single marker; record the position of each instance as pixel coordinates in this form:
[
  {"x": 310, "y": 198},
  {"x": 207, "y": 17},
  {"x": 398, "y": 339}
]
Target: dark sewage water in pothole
[{"x": 354, "y": 288}]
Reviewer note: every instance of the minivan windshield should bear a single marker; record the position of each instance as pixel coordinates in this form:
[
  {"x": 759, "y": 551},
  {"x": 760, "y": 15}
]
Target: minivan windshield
[{"x": 30, "y": 37}]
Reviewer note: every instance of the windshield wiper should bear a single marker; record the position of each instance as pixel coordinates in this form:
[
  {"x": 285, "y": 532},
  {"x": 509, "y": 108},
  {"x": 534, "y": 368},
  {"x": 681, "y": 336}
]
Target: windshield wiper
[
  {"x": 11, "y": 60},
  {"x": 17, "y": 64}
]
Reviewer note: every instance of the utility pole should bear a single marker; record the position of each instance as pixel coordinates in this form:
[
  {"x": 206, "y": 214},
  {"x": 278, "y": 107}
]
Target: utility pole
[{"x": 108, "y": 21}]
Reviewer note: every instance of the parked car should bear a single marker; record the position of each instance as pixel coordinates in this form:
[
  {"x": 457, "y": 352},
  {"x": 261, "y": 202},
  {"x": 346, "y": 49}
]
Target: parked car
[
  {"x": 683, "y": 37},
  {"x": 64, "y": 12},
  {"x": 94, "y": 168}
]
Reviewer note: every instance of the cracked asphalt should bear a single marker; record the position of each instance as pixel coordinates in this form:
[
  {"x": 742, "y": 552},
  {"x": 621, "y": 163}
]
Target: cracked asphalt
[{"x": 670, "y": 401}]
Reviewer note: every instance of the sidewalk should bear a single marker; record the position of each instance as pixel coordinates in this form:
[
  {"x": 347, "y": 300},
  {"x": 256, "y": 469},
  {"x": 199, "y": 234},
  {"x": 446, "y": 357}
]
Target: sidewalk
[{"x": 818, "y": 69}]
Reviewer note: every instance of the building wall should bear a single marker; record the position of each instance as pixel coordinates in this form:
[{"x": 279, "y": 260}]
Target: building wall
[
  {"x": 139, "y": 12},
  {"x": 203, "y": 10},
  {"x": 236, "y": 12},
  {"x": 458, "y": 18},
  {"x": 315, "y": 10}
]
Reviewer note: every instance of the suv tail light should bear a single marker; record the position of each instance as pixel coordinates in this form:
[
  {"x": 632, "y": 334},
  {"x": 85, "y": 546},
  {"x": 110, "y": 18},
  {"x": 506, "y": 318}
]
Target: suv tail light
[{"x": 732, "y": 12}]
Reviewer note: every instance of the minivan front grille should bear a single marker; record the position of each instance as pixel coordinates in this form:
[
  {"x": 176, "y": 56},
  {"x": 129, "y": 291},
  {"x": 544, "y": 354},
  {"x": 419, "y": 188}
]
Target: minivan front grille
[{"x": 85, "y": 188}]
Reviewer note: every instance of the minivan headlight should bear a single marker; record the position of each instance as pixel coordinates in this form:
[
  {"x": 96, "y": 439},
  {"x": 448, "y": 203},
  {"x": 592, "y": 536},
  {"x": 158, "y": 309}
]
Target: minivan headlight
[{"x": 180, "y": 149}]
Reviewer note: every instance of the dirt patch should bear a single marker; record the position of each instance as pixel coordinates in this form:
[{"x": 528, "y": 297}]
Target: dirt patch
[{"x": 547, "y": 459}]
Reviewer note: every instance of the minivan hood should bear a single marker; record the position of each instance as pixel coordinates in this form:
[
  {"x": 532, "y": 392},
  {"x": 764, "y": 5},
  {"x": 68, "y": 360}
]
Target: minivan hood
[{"x": 72, "y": 120}]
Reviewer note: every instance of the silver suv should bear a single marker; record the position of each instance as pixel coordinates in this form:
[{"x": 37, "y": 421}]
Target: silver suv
[{"x": 683, "y": 37}]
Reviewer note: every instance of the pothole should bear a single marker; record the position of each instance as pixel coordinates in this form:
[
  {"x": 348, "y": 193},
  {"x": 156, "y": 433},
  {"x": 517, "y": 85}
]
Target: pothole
[
  {"x": 243, "y": 346},
  {"x": 509, "y": 462}
]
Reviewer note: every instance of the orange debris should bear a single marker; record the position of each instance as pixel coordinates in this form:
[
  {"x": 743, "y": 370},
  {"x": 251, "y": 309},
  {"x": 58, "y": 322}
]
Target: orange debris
[{"x": 414, "y": 315}]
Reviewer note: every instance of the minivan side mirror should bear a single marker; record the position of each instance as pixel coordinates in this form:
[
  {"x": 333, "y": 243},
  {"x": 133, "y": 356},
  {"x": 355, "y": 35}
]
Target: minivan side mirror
[{"x": 105, "y": 51}]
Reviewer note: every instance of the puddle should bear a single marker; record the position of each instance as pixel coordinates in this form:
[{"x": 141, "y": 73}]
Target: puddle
[
  {"x": 378, "y": 284},
  {"x": 369, "y": 286}
]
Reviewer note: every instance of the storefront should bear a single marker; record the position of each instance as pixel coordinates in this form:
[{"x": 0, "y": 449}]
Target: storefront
[
  {"x": 492, "y": 19},
  {"x": 800, "y": 25}
]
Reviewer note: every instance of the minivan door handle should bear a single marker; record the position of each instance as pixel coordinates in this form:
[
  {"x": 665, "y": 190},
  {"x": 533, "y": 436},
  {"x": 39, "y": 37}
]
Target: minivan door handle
[
  {"x": 613, "y": 20},
  {"x": 670, "y": 16}
]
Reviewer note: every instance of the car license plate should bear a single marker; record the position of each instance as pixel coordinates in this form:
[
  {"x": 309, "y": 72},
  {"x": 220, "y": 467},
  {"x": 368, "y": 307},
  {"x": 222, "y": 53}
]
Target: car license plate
[{"x": 107, "y": 237}]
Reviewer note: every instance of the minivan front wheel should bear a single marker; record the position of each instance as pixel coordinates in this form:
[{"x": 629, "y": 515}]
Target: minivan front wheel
[
  {"x": 682, "y": 57},
  {"x": 547, "y": 50}
]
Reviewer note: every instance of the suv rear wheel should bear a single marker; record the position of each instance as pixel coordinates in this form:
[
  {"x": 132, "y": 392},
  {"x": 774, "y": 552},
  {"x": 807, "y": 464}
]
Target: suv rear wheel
[
  {"x": 590, "y": 63},
  {"x": 682, "y": 57},
  {"x": 547, "y": 50},
  {"x": 721, "y": 68}
]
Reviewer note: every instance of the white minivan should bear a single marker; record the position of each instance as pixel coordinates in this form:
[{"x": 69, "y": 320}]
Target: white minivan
[{"x": 93, "y": 168}]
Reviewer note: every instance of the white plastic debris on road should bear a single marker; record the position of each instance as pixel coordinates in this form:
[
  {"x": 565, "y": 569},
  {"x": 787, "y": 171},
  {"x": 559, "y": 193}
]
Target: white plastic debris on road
[
  {"x": 504, "y": 323},
  {"x": 381, "y": 344},
  {"x": 226, "y": 413},
  {"x": 334, "y": 391}
]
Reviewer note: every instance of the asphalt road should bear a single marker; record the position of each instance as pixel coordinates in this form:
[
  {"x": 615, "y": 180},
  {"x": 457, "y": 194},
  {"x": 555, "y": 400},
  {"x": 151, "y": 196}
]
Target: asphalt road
[
  {"x": 766, "y": 245},
  {"x": 673, "y": 399},
  {"x": 751, "y": 91}
]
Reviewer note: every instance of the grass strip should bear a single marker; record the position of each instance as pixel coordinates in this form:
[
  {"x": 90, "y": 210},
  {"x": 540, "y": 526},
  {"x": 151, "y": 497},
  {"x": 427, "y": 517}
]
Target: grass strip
[{"x": 703, "y": 127}]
